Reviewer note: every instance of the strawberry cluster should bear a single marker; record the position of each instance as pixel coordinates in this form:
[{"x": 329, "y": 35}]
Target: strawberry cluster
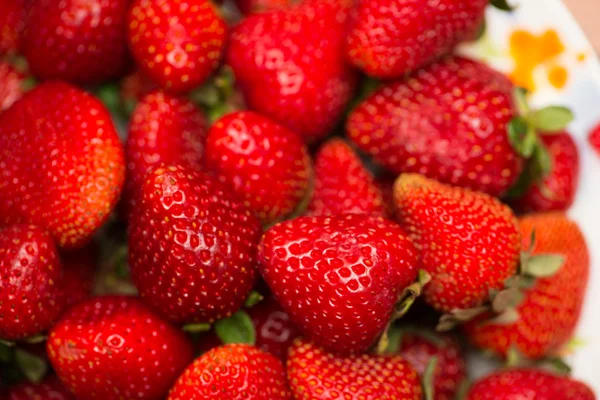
[{"x": 276, "y": 200}]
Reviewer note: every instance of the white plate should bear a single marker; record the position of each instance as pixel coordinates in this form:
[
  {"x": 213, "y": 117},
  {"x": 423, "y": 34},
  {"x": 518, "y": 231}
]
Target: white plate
[{"x": 582, "y": 95}]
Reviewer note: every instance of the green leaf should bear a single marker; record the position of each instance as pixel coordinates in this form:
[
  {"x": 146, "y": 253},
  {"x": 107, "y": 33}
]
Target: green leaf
[
  {"x": 36, "y": 339},
  {"x": 463, "y": 389},
  {"x": 236, "y": 329},
  {"x": 556, "y": 365},
  {"x": 428, "y": 379},
  {"x": 33, "y": 367},
  {"x": 543, "y": 265},
  {"x": 253, "y": 299},
  {"x": 7, "y": 343},
  {"x": 459, "y": 316},
  {"x": 520, "y": 98},
  {"x": 5, "y": 353},
  {"x": 394, "y": 339},
  {"x": 482, "y": 30},
  {"x": 507, "y": 317},
  {"x": 514, "y": 357},
  {"x": 508, "y": 298},
  {"x": 522, "y": 136},
  {"x": 502, "y": 5},
  {"x": 196, "y": 328},
  {"x": 552, "y": 119}
]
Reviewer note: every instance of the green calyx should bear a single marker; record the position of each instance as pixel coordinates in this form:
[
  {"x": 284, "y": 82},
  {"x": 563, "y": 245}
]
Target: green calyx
[
  {"x": 218, "y": 96},
  {"x": 236, "y": 329},
  {"x": 428, "y": 379},
  {"x": 502, "y": 5}
]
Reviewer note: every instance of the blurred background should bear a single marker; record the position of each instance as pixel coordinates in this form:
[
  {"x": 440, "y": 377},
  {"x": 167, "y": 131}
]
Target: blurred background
[{"x": 587, "y": 13}]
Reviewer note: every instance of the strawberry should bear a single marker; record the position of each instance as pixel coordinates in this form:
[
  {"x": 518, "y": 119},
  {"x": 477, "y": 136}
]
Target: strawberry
[
  {"x": 48, "y": 389},
  {"x": 268, "y": 54},
  {"x": 62, "y": 163},
  {"x": 250, "y": 154},
  {"x": 30, "y": 276},
  {"x": 469, "y": 242},
  {"x": 385, "y": 184},
  {"x": 192, "y": 246},
  {"x": 343, "y": 184},
  {"x": 163, "y": 129},
  {"x": 448, "y": 122},
  {"x": 529, "y": 384},
  {"x": 114, "y": 347},
  {"x": 556, "y": 189},
  {"x": 550, "y": 310},
  {"x": 387, "y": 40},
  {"x": 133, "y": 88},
  {"x": 79, "y": 267},
  {"x": 234, "y": 371},
  {"x": 594, "y": 138},
  {"x": 338, "y": 277},
  {"x": 12, "y": 15},
  {"x": 313, "y": 373},
  {"x": 258, "y": 6},
  {"x": 177, "y": 43},
  {"x": 12, "y": 85},
  {"x": 77, "y": 41}
]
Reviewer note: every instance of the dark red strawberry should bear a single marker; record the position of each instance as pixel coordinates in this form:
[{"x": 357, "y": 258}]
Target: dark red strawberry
[
  {"x": 529, "y": 384},
  {"x": 77, "y": 41},
  {"x": 163, "y": 129},
  {"x": 13, "y": 85},
  {"x": 387, "y": 40},
  {"x": 79, "y": 267},
  {"x": 48, "y": 389},
  {"x": 30, "y": 276},
  {"x": 62, "y": 164},
  {"x": 234, "y": 371},
  {"x": 448, "y": 122},
  {"x": 469, "y": 242},
  {"x": 343, "y": 184},
  {"x": 556, "y": 188},
  {"x": 594, "y": 138},
  {"x": 258, "y": 6},
  {"x": 12, "y": 15},
  {"x": 385, "y": 184},
  {"x": 550, "y": 311},
  {"x": 192, "y": 246},
  {"x": 177, "y": 43},
  {"x": 269, "y": 55},
  {"x": 115, "y": 348},
  {"x": 338, "y": 277},
  {"x": 313, "y": 373},
  {"x": 133, "y": 88},
  {"x": 252, "y": 154}
]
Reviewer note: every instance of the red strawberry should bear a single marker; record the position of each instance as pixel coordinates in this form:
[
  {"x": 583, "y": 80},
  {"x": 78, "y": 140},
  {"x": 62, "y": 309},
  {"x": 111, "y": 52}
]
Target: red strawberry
[
  {"x": 133, "y": 88},
  {"x": 163, "y": 129},
  {"x": 338, "y": 277},
  {"x": 314, "y": 373},
  {"x": 115, "y": 348},
  {"x": 529, "y": 384},
  {"x": 343, "y": 184},
  {"x": 77, "y": 41},
  {"x": 388, "y": 40},
  {"x": 235, "y": 371},
  {"x": 469, "y": 241},
  {"x": 48, "y": 389},
  {"x": 551, "y": 308},
  {"x": 12, "y": 85},
  {"x": 251, "y": 154},
  {"x": 290, "y": 67},
  {"x": 258, "y": 6},
  {"x": 177, "y": 43},
  {"x": 30, "y": 275},
  {"x": 594, "y": 138},
  {"x": 12, "y": 13},
  {"x": 385, "y": 184},
  {"x": 555, "y": 191},
  {"x": 79, "y": 267},
  {"x": 450, "y": 367},
  {"x": 448, "y": 122},
  {"x": 192, "y": 246}
]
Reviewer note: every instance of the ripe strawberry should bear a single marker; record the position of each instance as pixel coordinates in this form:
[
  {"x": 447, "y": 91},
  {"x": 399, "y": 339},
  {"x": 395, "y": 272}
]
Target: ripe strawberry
[
  {"x": 12, "y": 85},
  {"x": 448, "y": 122},
  {"x": 163, "y": 129},
  {"x": 192, "y": 246},
  {"x": 133, "y": 88},
  {"x": 314, "y": 373},
  {"x": 338, "y": 277},
  {"x": 594, "y": 138},
  {"x": 251, "y": 154},
  {"x": 259, "y": 6},
  {"x": 268, "y": 54},
  {"x": 343, "y": 184},
  {"x": 469, "y": 241},
  {"x": 385, "y": 184},
  {"x": 177, "y": 43},
  {"x": 114, "y": 347},
  {"x": 234, "y": 371},
  {"x": 30, "y": 275},
  {"x": 48, "y": 389},
  {"x": 387, "y": 40},
  {"x": 529, "y": 384},
  {"x": 12, "y": 15},
  {"x": 76, "y": 41},
  {"x": 79, "y": 267},
  {"x": 551, "y": 308}
]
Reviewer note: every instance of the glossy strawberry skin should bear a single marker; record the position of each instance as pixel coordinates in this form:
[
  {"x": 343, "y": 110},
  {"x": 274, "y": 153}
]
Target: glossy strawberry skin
[
  {"x": 62, "y": 163},
  {"x": 11, "y": 85},
  {"x": 557, "y": 190},
  {"x": 343, "y": 184},
  {"x": 236, "y": 371},
  {"x": 469, "y": 242},
  {"x": 12, "y": 16},
  {"x": 258, "y": 6},
  {"x": 75, "y": 41},
  {"x": 192, "y": 246},
  {"x": 30, "y": 276},
  {"x": 163, "y": 129},
  {"x": 528, "y": 384},
  {"x": 313, "y": 373},
  {"x": 177, "y": 56},
  {"x": 594, "y": 138},
  {"x": 267, "y": 53},
  {"x": 48, "y": 389},
  {"x": 387, "y": 40},
  {"x": 549, "y": 314},
  {"x": 251, "y": 154},
  {"x": 447, "y": 121},
  {"x": 79, "y": 267},
  {"x": 338, "y": 277},
  {"x": 113, "y": 347}
]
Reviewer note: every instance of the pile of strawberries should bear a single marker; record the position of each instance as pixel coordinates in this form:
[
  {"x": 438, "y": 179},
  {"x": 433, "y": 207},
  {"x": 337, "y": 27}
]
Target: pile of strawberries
[{"x": 313, "y": 200}]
